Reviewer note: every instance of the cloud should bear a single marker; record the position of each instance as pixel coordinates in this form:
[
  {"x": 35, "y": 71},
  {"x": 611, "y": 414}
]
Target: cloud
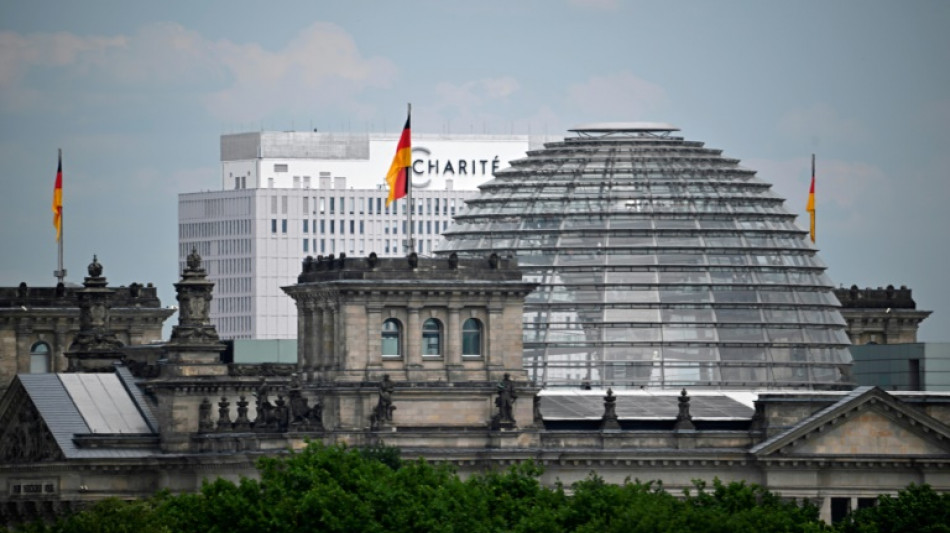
[
  {"x": 602, "y": 5},
  {"x": 821, "y": 123},
  {"x": 322, "y": 64},
  {"x": 618, "y": 95},
  {"x": 235, "y": 81},
  {"x": 475, "y": 92}
]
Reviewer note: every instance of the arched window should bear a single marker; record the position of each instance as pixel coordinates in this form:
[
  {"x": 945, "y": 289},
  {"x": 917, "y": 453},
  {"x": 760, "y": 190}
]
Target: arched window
[
  {"x": 431, "y": 338},
  {"x": 392, "y": 338},
  {"x": 472, "y": 337},
  {"x": 39, "y": 358}
]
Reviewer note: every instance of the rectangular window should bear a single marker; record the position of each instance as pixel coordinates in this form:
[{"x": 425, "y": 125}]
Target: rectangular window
[
  {"x": 332, "y": 203},
  {"x": 283, "y": 226},
  {"x": 283, "y": 205},
  {"x": 352, "y": 205},
  {"x": 306, "y": 245},
  {"x": 361, "y": 227},
  {"x": 306, "y": 182},
  {"x": 278, "y": 167},
  {"x": 332, "y": 226},
  {"x": 323, "y": 246},
  {"x": 306, "y": 205},
  {"x": 429, "y": 227},
  {"x": 306, "y": 226},
  {"x": 322, "y": 204},
  {"x": 840, "y": 508},
  {"x": 273, "y": 205},
  {"x": 342, "y": 227},
  {"x": 273, "y": 225},
  {"x": 362, "y": 204},
  {"x": 296, "y": 182},
  {"x": 404, "y": 227},
  {"x": 352, "y": 227},
  {"x": 369, "y": 206},
  {"x": 323, "y": 227},
  {"x": 378, "y": 204}
]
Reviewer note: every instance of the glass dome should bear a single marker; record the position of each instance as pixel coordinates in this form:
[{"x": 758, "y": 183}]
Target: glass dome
[{"x": 661, "y": 264}]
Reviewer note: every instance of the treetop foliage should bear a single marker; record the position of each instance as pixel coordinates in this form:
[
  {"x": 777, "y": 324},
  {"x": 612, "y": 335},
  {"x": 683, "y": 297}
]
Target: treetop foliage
[{"x": 339, "y": 489}]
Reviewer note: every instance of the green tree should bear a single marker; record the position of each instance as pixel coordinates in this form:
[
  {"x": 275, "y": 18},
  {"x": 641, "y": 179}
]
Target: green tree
[
  {"x": 336, "y": 489},
  {"x": 915, "y": 509}
]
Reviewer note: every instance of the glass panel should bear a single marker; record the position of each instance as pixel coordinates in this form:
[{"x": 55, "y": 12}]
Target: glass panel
[
  {"x": 735, "y": 296},
  {"x": 744, "y": 376},
  {"x": 627, "y": 315},
  {"x": 39, "y": 363},
  {"x": 685, "y": 294},
  {"x": 689, "y": 353},
  {"x": 472, "y": 337},
  {"x": 691, "y": 316},
  {"x": 633, "y": 278},
  {"x": 734, "y": 353},
  {"x": 391, "y": 338},
  {"x": 785, "y": 335},
  {"x": 631, "y": 295},
  {"x": 431, "y": 337},
  {"x": 631, "y": 353},
  {"x": 727, "y": 334},
  {"x": 632, "y": 334},
  {"x": 750, "y": 316},
  {"x": 688, "y": 334}
]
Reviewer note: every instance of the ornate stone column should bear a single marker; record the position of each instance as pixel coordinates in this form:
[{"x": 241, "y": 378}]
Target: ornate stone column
[
  {"x": 329, "y": 336},
  {"x": 494, "y": 358},
  {"x": 374, "y": 344},
  {"x": 304, "y": 336},
  {"x": 413, "y": 335},
  {"x": 95, "y": 348},
  {"x": 194, "y": 348},
  {"x": 453, "y": 345},
  {"x": 316, "y": 343}
]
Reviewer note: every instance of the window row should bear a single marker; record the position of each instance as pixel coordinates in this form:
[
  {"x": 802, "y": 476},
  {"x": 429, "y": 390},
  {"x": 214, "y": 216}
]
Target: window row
[
  {"x": 433, "y": 338},
  {"x": 367, "y": 205}
]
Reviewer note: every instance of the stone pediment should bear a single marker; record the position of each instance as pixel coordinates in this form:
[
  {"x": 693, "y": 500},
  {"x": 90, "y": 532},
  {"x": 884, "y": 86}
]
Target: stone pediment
[
  {"x": 24, "y": 436},
  {"x": 866, "y": 423}
]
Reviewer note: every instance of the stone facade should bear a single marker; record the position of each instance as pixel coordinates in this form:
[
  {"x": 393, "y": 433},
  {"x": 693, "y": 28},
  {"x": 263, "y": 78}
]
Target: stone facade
[
  {"x": 32, "y": 318},
  {"x": 881, "y": 315},
  {"x": 344, "y": 306}
]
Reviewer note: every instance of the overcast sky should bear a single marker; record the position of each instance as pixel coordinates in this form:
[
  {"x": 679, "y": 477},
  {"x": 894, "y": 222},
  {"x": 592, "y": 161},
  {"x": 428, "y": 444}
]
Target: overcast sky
[{"x": 138, "y": 93}]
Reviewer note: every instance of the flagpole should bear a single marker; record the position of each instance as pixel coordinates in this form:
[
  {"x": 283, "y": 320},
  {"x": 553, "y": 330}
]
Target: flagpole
[
  {"x": 60, "y": 272},
  {"x": 412, "y": 244}
]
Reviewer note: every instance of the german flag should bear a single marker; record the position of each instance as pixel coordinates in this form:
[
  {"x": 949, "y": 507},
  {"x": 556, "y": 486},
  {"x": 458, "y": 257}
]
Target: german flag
[
  {"x": 58, "y": 199},
  {"x": 398, "y": 176},
  {"x": 811, "y": 199}
]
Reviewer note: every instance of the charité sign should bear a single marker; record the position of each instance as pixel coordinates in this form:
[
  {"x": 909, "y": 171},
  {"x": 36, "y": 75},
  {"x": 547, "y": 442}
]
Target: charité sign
[{"x": 425, "y": 167}]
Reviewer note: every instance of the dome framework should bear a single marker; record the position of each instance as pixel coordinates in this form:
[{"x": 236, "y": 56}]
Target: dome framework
[{"x": 661, "y": 264}]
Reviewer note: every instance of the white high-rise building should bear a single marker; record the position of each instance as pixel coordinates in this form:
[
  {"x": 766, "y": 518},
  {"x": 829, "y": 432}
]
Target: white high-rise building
[{"x": 287, "y": 195}]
